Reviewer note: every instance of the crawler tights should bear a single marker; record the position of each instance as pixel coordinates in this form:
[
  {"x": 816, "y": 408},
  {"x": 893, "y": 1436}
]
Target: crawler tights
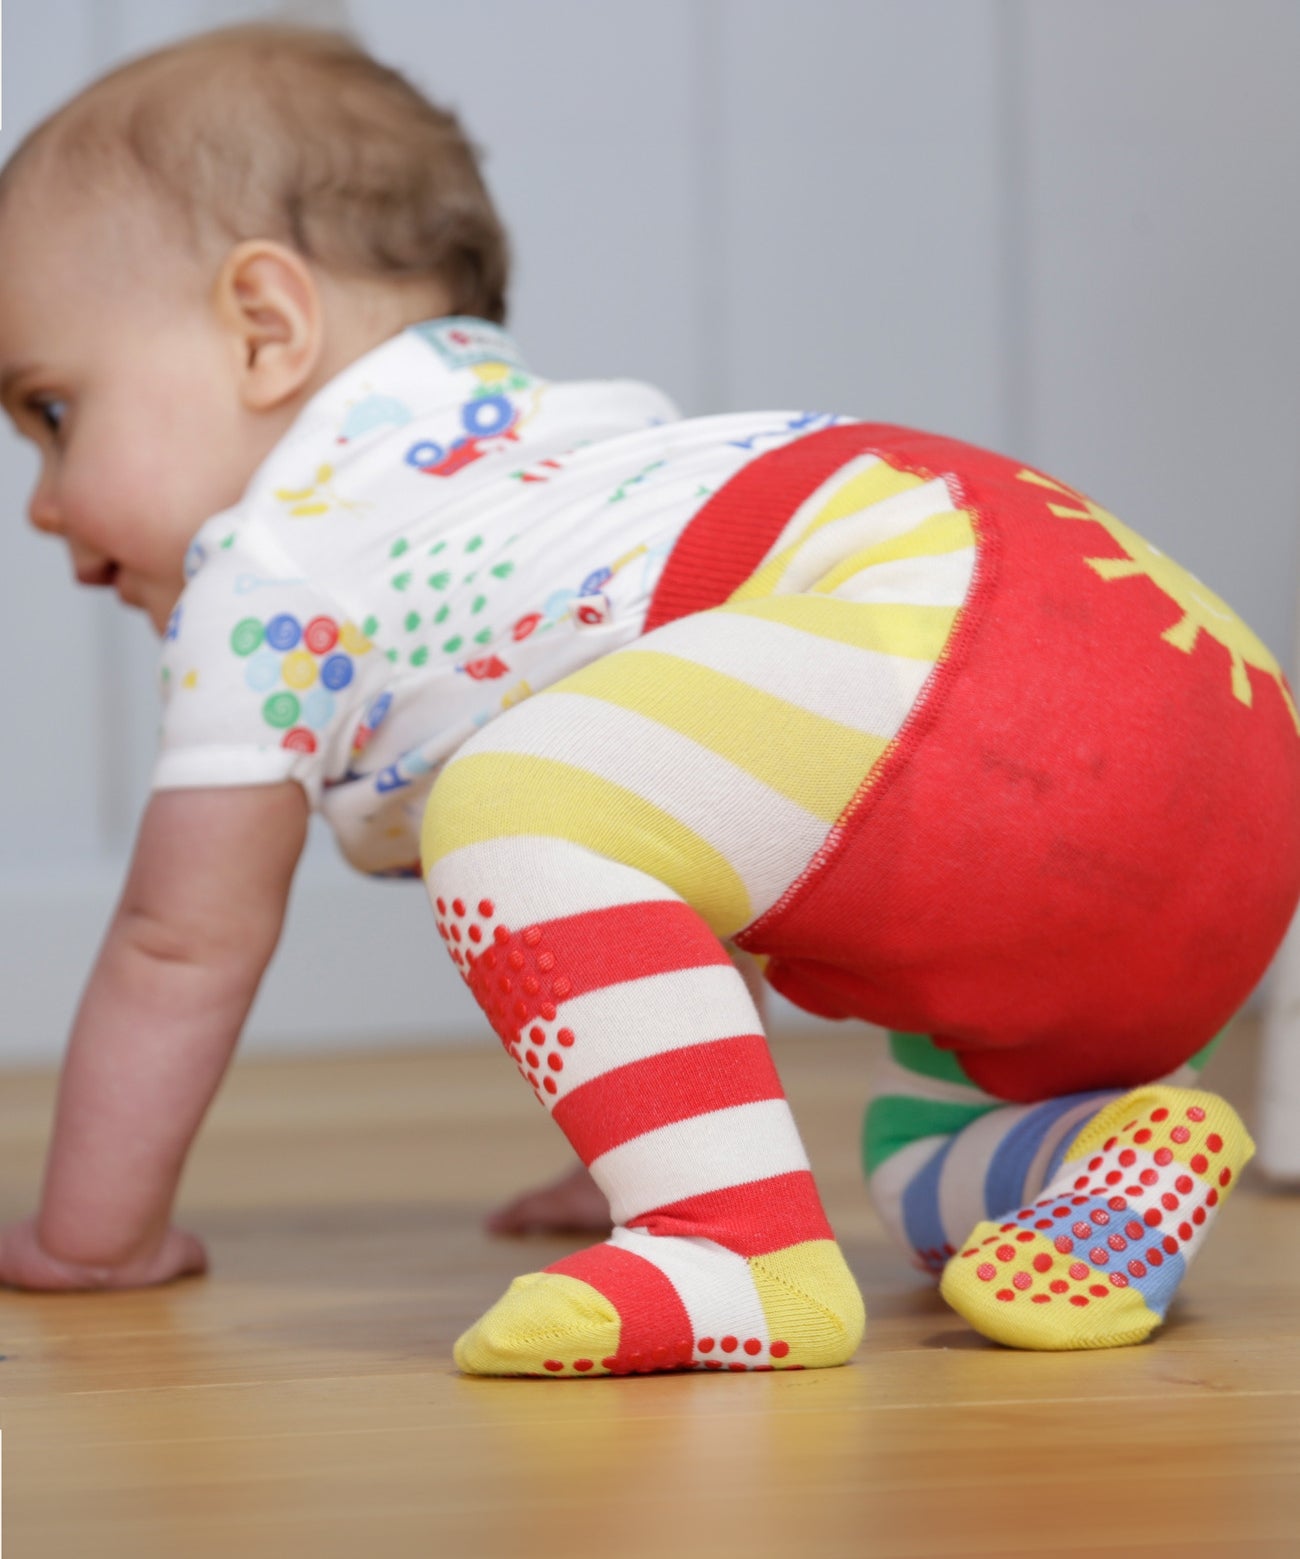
[{"x": 890, "y": 766}]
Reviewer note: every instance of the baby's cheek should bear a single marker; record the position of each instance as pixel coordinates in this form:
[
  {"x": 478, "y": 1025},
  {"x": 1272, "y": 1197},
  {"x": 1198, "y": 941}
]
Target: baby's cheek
[
  {"x": 183, "y": 485},
  {"x": 148, "y": 506},
  {"x": 88, "y": 510}
]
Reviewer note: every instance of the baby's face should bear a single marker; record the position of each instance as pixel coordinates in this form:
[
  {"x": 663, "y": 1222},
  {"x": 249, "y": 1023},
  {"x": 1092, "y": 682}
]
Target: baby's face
[{"x": 113, "y": 364}]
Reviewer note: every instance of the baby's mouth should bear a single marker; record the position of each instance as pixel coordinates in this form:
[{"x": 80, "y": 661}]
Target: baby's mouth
[{"x": 103, "y": 575}]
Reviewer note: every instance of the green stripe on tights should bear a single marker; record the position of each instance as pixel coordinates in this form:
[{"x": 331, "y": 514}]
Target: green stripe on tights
[
  {"x": 919, "y": 1053},
  {"x": 1197, "y": 1062},
  {"x": 894, "y": 1120}
]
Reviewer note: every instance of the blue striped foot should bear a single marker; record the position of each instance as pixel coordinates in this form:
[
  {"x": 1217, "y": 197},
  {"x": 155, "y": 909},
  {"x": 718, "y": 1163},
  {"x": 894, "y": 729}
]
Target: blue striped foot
[{"x": 1096, "y": 1260}]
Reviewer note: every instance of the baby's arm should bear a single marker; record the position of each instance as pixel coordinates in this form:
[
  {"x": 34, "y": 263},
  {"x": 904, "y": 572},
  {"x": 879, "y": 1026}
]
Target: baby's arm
[{"x": 198, "y": 921}]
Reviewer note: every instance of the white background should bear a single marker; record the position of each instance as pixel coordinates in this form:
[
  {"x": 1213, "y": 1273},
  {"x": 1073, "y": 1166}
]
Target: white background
[{"x": 1069, "y": 231}]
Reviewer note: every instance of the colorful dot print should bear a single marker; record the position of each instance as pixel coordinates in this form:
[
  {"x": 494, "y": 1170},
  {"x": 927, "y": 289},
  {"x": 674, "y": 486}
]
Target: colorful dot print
[
  {"x": 280, "y": 710},
  {"x": 453, "y": 605},
  {"x": 300, "y": 667},
  {"x": 263, "y": 670},
  {"x": 336, "y": 672},
  {"x": 318, "y": 708},
  {"x": 247, "y": 636},
  {"x": 321, "y": 635},
  {"x": 283, "y": 631}
]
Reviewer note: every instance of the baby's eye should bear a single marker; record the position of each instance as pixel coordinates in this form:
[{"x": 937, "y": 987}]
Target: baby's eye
[{"x": 49, "y": 411}]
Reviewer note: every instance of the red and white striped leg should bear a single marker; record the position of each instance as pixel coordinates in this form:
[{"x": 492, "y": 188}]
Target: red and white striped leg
[{"x": 622, "y": 1011}]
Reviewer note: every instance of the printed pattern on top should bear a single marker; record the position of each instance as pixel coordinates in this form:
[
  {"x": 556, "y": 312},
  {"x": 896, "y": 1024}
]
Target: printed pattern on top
[{"x": 439, "y": 536}]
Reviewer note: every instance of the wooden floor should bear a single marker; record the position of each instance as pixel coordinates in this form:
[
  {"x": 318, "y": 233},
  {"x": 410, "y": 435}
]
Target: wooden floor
[{"x": 301, "y": 1399}]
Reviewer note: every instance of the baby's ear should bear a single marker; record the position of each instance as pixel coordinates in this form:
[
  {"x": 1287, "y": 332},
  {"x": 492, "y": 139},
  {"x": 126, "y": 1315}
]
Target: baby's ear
[{"x": 268, "y": 301}]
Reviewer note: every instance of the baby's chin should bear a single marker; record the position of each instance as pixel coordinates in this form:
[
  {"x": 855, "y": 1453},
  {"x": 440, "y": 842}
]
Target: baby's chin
[
  {"x": 160, "y": 614},
  {"x": 157, "y": 602}
]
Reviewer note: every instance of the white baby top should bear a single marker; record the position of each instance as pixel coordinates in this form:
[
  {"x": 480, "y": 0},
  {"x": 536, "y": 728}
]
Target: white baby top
[{"x": 439, "y": 534}]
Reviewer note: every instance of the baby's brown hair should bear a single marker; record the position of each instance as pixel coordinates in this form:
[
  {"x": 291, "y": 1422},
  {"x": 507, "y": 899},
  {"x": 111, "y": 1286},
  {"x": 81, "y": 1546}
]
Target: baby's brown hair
[{"x": 293, "y": 134}]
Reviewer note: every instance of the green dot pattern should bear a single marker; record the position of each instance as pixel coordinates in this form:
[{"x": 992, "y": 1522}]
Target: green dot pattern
[
  {"x": 281, "y": 710},
  {"x": 247, "y": 636},
  {"x": 284, "y": 709}
]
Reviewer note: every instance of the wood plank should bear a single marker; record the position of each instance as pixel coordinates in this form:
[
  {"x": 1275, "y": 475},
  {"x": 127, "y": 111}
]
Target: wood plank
[{"x": 302, "y": 1400}]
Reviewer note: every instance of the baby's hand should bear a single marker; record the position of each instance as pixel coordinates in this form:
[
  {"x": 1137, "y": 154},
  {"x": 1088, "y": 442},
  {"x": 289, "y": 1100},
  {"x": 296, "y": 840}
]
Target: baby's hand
[
  {"x": 573, "y": 1204},
  {"x": 24, "y": 1263}
]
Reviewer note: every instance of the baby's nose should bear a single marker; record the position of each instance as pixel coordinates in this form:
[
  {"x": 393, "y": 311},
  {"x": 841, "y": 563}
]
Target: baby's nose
[{"x": 43, "y": 513}]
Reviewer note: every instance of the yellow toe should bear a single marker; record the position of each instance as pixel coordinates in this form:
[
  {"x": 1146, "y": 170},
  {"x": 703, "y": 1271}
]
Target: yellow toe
[
  {"x": 544, "y": 1324},
  {"x": 813, "y": 1307},
  {"x": 1025, "y": 1294}
]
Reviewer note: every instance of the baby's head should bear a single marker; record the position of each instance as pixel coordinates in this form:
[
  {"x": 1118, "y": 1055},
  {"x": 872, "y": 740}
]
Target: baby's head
[{"x": 190, "y": 249}]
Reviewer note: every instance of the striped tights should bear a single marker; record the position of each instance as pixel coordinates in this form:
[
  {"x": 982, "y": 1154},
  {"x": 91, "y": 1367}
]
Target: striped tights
[
  {"x": 940, "y": 1155},
  {"x": 589, "y": 853},
  {"x": 592, "y": 851}
]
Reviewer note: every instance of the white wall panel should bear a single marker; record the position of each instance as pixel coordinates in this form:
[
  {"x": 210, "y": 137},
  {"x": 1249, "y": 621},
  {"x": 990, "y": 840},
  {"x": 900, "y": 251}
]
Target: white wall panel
[
  {"x": 1162, "y": 217},
  {"x": 587, "y": 114},
  {"x": 1069, "y": 231},
  {"x": 859, "y": 204},
  {"x": 52, "y": 638}
]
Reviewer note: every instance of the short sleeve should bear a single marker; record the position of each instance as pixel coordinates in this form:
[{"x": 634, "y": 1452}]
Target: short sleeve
[{"x": 263, "y": 676}]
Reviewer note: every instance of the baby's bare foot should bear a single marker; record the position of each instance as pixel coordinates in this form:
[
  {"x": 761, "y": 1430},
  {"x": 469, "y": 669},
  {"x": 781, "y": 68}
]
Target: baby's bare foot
[{"x": 573, "y": 1204}]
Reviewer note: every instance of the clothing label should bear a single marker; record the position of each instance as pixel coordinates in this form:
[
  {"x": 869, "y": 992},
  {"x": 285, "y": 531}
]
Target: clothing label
[{"x": 461, "y": 343}]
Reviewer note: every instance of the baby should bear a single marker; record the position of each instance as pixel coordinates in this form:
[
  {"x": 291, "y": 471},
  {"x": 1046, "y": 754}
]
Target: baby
[{"x": 940, "y": 742}]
